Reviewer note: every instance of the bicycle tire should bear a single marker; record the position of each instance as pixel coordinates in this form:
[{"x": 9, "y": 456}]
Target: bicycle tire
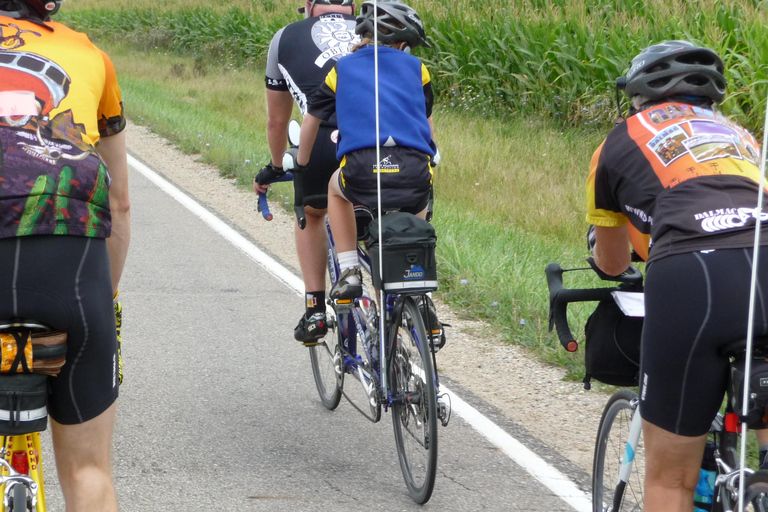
[
  {"x": 415, "y": 424},
  {"x": 329, "y": 375},
  {"x": 756, "y": 492},
  {"x": 19, "y": 497},
  {"x": 610, "y": 446}
]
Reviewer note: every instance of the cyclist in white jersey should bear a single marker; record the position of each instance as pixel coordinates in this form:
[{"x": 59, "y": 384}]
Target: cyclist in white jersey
[{"x": 300, "y": 56}]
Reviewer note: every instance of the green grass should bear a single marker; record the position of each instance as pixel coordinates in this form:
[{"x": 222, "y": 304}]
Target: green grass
[{"x": 557, "y": 59}]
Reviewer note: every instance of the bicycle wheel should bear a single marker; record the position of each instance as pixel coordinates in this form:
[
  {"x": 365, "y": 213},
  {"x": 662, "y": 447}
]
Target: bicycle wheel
[
  {"x": 19, "y": 498},
  {"x": 608, "y": 495},
  {"x": 414, "y": 413},
  {"x": 327, "y": 366},
  {"x": 756, "y": 492}
]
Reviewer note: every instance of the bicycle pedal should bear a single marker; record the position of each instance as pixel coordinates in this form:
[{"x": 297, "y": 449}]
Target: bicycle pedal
[
  {"x": 343, "y": 304},
  {"x": 444, "y": 408}
]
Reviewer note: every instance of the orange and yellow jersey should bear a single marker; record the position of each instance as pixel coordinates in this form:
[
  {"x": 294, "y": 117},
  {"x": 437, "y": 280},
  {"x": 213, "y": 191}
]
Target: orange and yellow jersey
[
  {"x": 685, "y": 178},
  {"x": 52, "y": 180}
]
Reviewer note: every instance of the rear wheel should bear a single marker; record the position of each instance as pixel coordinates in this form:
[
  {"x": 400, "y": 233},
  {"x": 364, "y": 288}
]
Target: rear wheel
[
  {"x": 756, "y": 492},
  {"x": 328, "y": 366},
  {"x": 19, "y": 498},
  {"x": 610, "y": 446},
  {"x": 414, "y": 413}
]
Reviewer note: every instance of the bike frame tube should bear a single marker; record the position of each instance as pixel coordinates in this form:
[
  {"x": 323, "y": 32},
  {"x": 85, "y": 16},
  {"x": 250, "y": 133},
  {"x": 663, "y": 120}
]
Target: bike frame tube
[
  {"x": 631, "y": 449},
  {"x": 30, "y": 445}
]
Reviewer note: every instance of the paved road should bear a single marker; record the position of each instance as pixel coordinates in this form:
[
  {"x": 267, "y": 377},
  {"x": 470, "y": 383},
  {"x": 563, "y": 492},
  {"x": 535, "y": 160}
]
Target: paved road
[{"x": 219, "y": 410}]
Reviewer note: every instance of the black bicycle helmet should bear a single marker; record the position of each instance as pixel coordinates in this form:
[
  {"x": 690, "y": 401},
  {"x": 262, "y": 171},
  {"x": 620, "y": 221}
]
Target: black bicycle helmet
[
  {"x": 675, "y": 68},
  {"x": 397, "y": 23},
  {"x": 343, "y": 3},
  {"x": 41, "y": 9}
]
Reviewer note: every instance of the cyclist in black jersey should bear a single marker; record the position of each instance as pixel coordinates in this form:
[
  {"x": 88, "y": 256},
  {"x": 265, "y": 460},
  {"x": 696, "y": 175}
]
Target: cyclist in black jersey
[
  {"x": 300, "y": 56},
  {"x": 64, "y": 227},
  {"x": 680, "y": 182}
]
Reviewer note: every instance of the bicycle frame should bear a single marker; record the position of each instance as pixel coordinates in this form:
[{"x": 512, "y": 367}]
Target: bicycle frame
[
  {"x": 359, "y": 325},
  {"x": 630, "y": 451},
  {"x": 29, "y": 445}
]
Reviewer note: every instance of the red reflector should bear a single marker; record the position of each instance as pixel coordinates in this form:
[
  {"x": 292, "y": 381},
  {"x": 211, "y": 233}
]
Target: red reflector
[
  {"x": 320, "y": 324},
  {"x": 19, "y": 463},
  {"x": 572, "y": 347},
  {"x": 732, "y": 423}
]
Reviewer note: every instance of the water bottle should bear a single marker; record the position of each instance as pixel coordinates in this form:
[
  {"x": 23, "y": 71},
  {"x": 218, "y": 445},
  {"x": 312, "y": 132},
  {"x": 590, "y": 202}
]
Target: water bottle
[{"x": 705, "y": 489}]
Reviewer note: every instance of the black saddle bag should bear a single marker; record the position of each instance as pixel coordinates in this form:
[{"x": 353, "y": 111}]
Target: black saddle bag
[
  {"x": 612, "y": 352},
  {"x": 23, "y": 403},
  {"x": 757, "y": 407},
  {"x": 408, "y": 247}
]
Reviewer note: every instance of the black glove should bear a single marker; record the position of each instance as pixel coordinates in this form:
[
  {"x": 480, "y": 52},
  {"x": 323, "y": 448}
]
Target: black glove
[
  {"x": 591, "y": 240},
  {"x": 268, "y": 174}
]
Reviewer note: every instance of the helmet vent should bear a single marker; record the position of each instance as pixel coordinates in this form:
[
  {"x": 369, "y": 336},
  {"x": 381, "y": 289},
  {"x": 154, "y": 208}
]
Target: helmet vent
[
  {"x": 659, "y": 83},
  {"x": 697, "y": 80},
  {"x": 697, "y": 58}
]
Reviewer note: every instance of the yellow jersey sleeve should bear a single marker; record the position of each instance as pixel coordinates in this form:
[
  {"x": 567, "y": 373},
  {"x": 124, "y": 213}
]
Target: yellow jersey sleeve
[
  {"x": 332, "y": 79},
  {"x": 110, "y": 111},
  {"x": 595, "y": 215},
  {"x": 425, "y": 77}
]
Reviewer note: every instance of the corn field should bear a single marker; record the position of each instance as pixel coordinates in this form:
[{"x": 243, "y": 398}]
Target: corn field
[{"x": 552, "y": 58}]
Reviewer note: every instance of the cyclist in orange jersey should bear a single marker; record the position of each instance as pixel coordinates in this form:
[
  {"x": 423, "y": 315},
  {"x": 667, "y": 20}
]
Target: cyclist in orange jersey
[
  {"x": 680, "y": 182},
  {"x": 64, "y": 226}
]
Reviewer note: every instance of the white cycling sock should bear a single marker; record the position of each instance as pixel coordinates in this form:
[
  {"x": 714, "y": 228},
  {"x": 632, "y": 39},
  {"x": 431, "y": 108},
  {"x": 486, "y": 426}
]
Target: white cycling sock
[{"x": 348, "y": 260}]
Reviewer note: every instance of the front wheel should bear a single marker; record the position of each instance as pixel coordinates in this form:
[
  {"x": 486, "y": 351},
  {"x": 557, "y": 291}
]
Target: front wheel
[
  {"x": 609, "y": 494},
  {"x": 328, "y": 366},
  {"x": 414, "y": 412}
]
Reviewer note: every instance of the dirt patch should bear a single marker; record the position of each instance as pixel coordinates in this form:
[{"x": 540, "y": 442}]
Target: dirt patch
[{"x": 529, "y": 393}]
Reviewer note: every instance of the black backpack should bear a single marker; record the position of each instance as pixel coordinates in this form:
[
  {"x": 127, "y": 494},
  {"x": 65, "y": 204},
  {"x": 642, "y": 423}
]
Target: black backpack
[{"x": 612, "y": 353}]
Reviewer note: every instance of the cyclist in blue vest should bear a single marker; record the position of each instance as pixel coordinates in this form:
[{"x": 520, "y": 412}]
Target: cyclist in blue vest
[{"x": 405, "y": 109}]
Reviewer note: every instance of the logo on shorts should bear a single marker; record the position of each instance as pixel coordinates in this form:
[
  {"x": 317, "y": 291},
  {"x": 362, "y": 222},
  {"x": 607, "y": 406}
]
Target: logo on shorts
[
  {"x": 386, "y": 165},
  {"x": 335, "y": 136},
  {"x": 763, "y": 382},
  {"x": 114, "y": 370}
]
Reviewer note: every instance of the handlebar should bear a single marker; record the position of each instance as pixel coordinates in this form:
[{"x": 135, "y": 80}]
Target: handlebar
[
  {"x": 560, "y": 296},
  {"x": 263, "y": 205}
]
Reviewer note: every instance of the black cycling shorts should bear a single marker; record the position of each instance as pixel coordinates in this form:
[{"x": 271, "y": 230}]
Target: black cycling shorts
[
  {"x": 695, "y": 303},
  {"x": 64, "y": 282},
  {"x": 311, "y": 186},
  {"x": 406, "y": 178}
]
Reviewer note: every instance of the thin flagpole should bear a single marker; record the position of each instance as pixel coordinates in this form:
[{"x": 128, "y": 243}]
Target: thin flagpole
[
  {"x": 751, "y": 316},
  {"x": 382, "y": 305}
]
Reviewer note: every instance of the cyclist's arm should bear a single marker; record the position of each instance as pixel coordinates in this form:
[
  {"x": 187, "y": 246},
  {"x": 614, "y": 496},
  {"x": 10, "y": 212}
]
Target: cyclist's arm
[
  {"x": 322, "y": 106},
  {"x": 279, "y": 109},
  {"x": 309, "y": 129},
  {"x": 113, "y": 151},
  {"x": 612, "y": 245},
  {"x": 612, "y": 253}
]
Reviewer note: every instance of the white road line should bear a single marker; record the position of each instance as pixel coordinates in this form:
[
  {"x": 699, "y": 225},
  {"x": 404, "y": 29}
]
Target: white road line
[{"x": 549, "y": 476}]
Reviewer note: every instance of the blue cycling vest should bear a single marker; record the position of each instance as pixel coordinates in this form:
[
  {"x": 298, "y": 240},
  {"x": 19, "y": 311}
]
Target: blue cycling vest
[{"x": 403, "y": 114}]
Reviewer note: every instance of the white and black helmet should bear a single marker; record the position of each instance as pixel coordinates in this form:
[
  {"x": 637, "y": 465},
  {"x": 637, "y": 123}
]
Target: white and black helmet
[
  {"x": 675, "y": 68},
  {"x": 343, "y": 3},
  {"x": 397, "y": 22}
]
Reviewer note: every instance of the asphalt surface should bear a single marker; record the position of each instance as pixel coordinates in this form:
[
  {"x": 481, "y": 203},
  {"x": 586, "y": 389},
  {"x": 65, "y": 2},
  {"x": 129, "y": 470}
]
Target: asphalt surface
[{"x": 219, "y": 410}]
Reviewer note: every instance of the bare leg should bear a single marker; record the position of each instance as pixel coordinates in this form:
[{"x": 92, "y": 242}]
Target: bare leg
[
  {"x": 341, "y": 214},
  {"x": 672, "y": 465},
  {"x": 310, "y": 245},
  {"x": 83, "y": 454}
]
